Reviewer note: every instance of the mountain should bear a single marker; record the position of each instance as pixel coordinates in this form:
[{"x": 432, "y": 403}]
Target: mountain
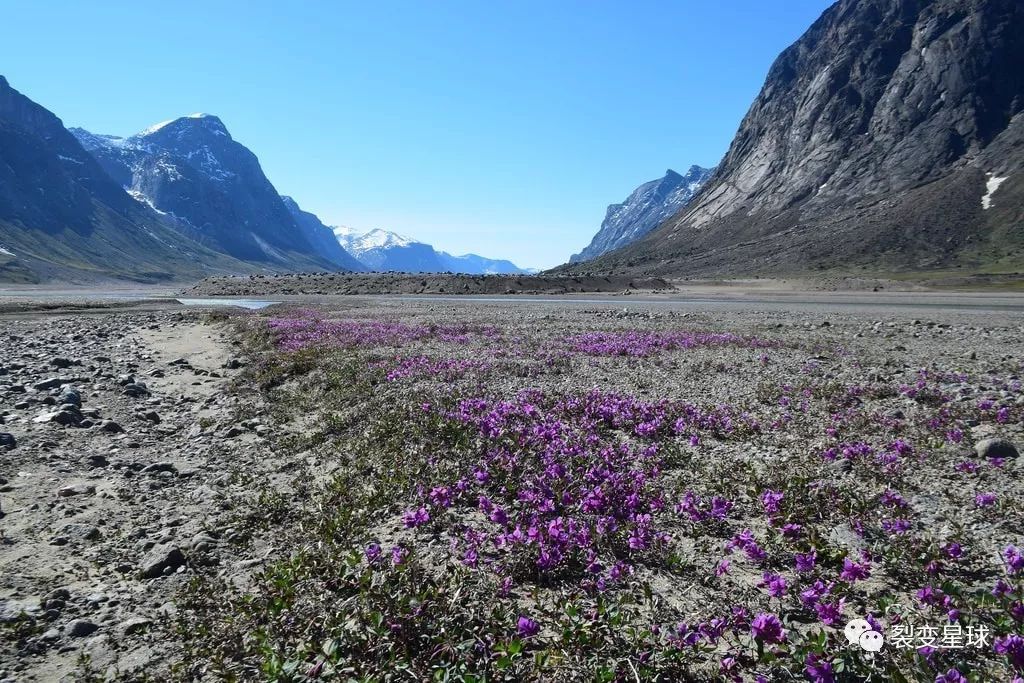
[
  {"x": 192, "y": 170},
  {"x": 63, "y": 217},
  {"x": 322, "y": 237},
  {"x": 645, "y": 209},
  {"x": 381, "y": 250},
  {"x": 889, "y": 137},
  {"x": 478, "y": 265}
]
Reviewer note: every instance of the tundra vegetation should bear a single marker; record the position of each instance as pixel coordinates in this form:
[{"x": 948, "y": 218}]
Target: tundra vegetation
[{"x": 613, "y": 496}]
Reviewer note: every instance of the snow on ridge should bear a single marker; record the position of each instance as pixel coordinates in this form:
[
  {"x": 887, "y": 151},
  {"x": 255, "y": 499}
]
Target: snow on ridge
[
  {"x": 5, "y": 251},
  {"x": 359, "y": 242},
  {"x": 155, "y": 127},
  {"x": 991, "y": 185}
]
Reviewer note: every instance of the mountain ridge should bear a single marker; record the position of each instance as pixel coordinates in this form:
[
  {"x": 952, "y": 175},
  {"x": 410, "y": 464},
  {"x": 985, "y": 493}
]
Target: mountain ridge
[
  {"x": 869, "y": 148},
  {"x": 643, "y": 210},
  {"x": 62, "y": 216},
  {"x": 191, "y": 168}
]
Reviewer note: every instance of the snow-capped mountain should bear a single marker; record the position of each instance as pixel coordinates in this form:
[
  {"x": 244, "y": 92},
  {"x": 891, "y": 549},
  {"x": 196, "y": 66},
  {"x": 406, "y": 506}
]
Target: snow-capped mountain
[
  {"x": 478, "y": 265},
  {"x": 644, "y": 210},
  {"x": 63, "y": 217},
  {"x": 191, "y": 171},
  {"x": 382, "y": 250}
]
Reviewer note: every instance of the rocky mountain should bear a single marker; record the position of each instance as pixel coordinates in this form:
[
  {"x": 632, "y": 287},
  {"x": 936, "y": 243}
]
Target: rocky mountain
[
  {"x": 478, "y": 265},
  {"x": 63, "y": 217},
  {"x": 889, "y": 137},
  {"x": 191, "y": 169},
  {"x": 645, "y": 209},
  {"x": 322, "y": 237},
  {"x": 382, "y": 250}
]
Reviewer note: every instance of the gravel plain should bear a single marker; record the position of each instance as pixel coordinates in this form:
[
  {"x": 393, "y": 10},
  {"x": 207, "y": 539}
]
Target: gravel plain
[{"x": 143, "y": 452}]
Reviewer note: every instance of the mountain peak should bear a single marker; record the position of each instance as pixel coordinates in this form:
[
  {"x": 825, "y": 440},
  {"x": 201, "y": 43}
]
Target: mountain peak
[
  {"x": 192, "y": 122},
  {"x": 645, "y": 208}
]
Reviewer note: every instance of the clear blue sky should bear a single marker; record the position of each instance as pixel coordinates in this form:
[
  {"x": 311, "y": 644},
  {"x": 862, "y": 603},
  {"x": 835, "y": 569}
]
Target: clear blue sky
[{"x": 498, "y": 127}]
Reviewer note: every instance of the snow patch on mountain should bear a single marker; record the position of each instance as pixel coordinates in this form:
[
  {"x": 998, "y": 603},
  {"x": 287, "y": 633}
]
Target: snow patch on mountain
[{"x": 991, "y": 185}]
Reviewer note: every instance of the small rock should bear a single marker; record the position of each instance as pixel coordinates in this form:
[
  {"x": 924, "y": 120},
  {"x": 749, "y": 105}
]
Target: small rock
[
  {"x": 136, "y": 390},
  {"x": 84, "y": 532},
  {"x": 159, "y": 560},
  {"x": 76, "y": 490},
  {"x": 97, "y": 460},
  {"x": 996, "y": 448},
  {"x": 134, "y": 625},
  {"x": 79, "y": 628},
  {"x": 60, "y": 362},
  {"x": 51, "y": 383},
  {"x": 164, "y": 466},
  {"x": 7, "y": 441},
  {"x": 71, "y": 397},
  {"x": 111, "y": 427}
]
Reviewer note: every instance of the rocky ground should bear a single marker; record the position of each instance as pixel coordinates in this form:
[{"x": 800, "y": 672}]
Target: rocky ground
[
  {"x": 154, "y": 464},
  {"x": 426, "y": 283},
  {"x": 118, "y": 458}
]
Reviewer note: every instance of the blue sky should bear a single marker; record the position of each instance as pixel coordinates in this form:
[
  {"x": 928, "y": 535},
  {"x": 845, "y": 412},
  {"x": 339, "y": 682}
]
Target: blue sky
[{"x": 489, "y": 126}]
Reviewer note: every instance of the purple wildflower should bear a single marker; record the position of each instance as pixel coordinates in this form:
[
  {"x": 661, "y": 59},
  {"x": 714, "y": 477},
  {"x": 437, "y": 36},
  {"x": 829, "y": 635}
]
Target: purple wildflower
[{"x": 767, "y": 628}]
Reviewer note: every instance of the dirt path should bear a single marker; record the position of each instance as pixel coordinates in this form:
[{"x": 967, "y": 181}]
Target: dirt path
[{"x": 127, "y": 452}]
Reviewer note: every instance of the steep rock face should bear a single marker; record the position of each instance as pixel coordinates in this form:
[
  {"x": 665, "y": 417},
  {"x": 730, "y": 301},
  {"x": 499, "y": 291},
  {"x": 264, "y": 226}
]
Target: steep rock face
[
  {"x": 872, "y": 144},
  {"x": 645, "y": 209},
  {"x": 62, "y": 216},
  {"x": 191, "y": 169},
  {"x": 322, "y": 237}
]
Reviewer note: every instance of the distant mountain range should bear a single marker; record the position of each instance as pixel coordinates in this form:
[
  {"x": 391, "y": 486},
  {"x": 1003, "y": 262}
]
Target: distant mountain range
[
  {"x": 381, "y": 250},
  {"x": 644, "y": 210},
  {"x": 888, "y": 138},
  {"x": 179, "y": 200}
]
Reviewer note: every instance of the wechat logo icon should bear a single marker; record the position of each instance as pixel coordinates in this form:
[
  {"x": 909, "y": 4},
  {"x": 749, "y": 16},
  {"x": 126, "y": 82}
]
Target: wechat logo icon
[{"x": 859, "y": 632}]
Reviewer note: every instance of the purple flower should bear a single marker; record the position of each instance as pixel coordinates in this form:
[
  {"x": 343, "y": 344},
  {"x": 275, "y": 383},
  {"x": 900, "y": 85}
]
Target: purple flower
[
  {"x": 1013, "y": 647},
  {"x": 810, "y": 596},
  {"x": 415, "y": 518},
  {"x": 805, "y": 561},
  {"x": 853, "y": 572},
  {"x": 1014, "y": 559},
  {"x": 818, "y": 669},
  {"x": 896, "y": 526},
  {"x": 951, "y": 676},
  {"x": 953, "y": 550},
  {"x": 373, "y": 553},
  {"x": 770, "y": 501},
  {"x": 527, "y": 627},
  {"x": 398, "y": 555},
  {"x": 775, "y": 584},
  {"x": 830, "y": 613},
  {"x": 984, "y": 500},
  {"x": 767, "y": 628}
]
